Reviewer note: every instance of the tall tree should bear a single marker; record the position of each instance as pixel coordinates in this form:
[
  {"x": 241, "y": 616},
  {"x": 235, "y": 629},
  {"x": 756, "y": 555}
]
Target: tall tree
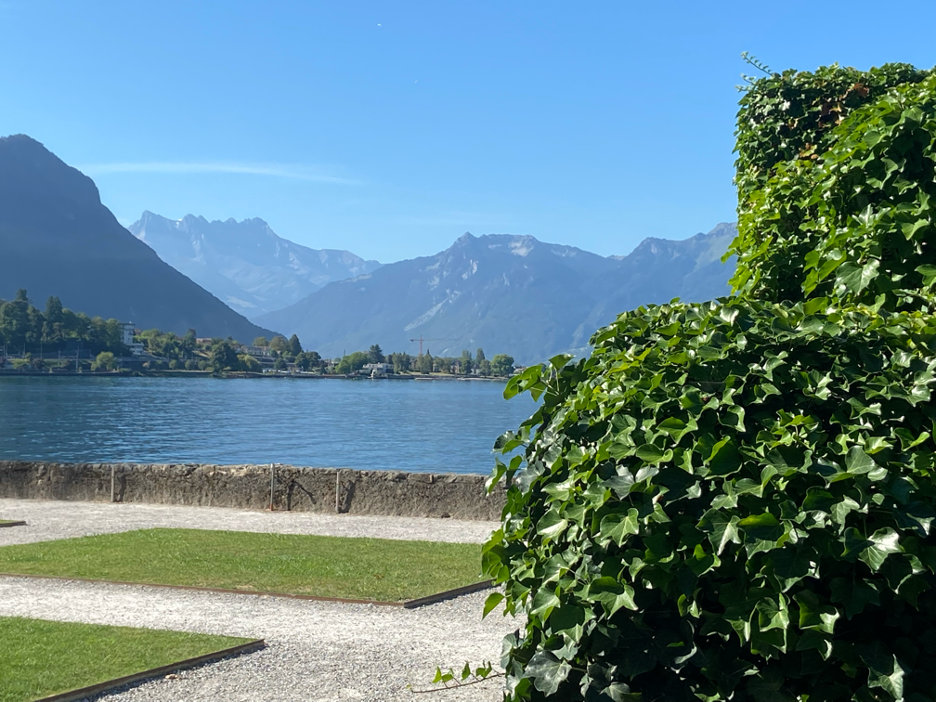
[
  {"x": 375, "y": 354},
  {"x": 223, "y": 356},
  {"x": 279, "y": 344},
  {"x": 188, "y": 343},
  {"x": 309, "y": 360},
  {"x": 502, "y": 364},
  {"x": 294, "y": 348},
  {"x": 464, "y": 363},
  {"x": 402, "y": 362},
  {"x": 53, "y": 330},
  {"x": 14, "y": 321},
  {"x": 424, "y": 363}
]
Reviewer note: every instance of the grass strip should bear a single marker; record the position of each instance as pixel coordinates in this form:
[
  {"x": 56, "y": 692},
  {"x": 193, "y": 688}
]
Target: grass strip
[
  {"x": 325, "y": 566},
  {"x": 42, "y": 658}
]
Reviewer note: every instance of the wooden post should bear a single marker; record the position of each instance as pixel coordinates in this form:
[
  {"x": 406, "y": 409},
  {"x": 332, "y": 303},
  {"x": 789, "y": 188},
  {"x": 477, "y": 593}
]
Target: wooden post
[
  {"x": 272, "y": 482},
  {"x": 337, "y": 490},
  {"x": 113, "y": 486}
]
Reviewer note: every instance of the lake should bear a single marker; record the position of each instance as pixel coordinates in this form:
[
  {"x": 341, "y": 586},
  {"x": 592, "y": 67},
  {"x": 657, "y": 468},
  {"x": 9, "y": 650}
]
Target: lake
[{"x": 421, "y": 426}]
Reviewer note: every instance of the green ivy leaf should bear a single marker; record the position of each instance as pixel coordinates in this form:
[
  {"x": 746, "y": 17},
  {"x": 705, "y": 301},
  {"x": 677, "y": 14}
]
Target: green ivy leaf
[
  {"x": 612, "y": 594},
  {"x": 815, "y": 615},
  {"x": 884, "y": 670},
  {"x": 764, "y": 527},
  {"x": 881, "y": 544},
  {"x": 494, "y": 599},
  {"x": 855, "y": 278},
  {"x": 547, "y": 672},
  {"x": 725, "y": 458},
  {"x": 551, "y": 525},
  {"x": 819, "y": 500},
  {"x": 648, "y": 453},
  {"x": 724, "y": 530},
  {"x": 617, "y": 527},
  {"x": 857, "y": 462},
  {"x": 544, "y": 602}
]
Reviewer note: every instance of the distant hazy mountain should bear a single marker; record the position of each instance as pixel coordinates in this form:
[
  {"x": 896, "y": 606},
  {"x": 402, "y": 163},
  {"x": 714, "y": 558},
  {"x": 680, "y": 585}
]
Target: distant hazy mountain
[
  {"x": 245, "y": 263},
  {"x": 506, "y": 294},
  {"x": 56, "y": 238}
]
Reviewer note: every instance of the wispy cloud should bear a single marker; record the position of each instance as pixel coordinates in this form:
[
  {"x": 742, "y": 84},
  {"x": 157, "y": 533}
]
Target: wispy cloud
[{"x": 277, "y": 170}]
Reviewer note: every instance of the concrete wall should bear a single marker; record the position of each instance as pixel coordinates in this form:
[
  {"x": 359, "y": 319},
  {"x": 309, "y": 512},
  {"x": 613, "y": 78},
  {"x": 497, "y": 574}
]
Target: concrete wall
[{"x": 248, "y": 486}]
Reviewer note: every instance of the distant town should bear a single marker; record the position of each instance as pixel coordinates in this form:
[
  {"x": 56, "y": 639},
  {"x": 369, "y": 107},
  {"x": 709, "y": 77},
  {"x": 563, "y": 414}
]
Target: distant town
[{"x": 60, "y": 341}]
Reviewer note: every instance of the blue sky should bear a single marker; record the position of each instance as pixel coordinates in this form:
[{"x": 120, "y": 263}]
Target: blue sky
[{"x": 389, "y": 129}]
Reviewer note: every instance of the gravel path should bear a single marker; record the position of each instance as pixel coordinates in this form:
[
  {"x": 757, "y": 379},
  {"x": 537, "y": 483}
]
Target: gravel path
[
  {"x": 59, "y": 520},
  {"x": 316, "y": 651}
]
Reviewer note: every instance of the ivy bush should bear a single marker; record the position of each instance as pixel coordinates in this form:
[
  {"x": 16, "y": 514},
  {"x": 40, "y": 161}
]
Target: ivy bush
[
  {"x": 734, "y": 500},
  {"x": 836, "y": 177},
  {"x": 728, "y": 501}
]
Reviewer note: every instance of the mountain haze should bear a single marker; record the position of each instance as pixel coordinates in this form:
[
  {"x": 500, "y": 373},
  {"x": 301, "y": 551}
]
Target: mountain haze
[
  {"x": 506, "y": 294},
  {"x": 246, "y": 264},
  {"x": 56, "y": 238}
]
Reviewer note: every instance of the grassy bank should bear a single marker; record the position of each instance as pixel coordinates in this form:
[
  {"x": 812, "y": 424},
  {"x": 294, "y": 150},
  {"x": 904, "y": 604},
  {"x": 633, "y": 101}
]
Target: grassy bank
[
  {"x": 327, "y": 566},
  {"x": 42, "y": 658}
]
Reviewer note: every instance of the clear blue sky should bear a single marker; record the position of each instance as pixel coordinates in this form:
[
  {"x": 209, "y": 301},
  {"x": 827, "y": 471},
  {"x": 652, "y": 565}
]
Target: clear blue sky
[{"x": 391, "y": 128}]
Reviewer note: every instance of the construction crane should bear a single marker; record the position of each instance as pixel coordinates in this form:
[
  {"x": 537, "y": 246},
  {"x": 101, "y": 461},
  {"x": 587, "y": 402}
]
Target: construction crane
[{"x": 421, "y": 340}]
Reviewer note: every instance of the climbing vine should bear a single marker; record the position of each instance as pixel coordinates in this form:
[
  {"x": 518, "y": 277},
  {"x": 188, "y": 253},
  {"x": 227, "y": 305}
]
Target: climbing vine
[{"x": 734, "y": 500}]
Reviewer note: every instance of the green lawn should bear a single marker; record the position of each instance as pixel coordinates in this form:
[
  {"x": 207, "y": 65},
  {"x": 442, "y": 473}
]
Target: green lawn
[
  {"x": 330, "y": 566},
  {"x": 42, "y": 658}
]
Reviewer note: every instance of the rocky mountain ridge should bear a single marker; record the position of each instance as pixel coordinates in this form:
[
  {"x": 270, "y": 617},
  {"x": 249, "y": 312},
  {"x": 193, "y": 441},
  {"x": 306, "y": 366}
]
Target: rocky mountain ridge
[
  {"x": 246, "y": 264},
  {"x": 56, "y": 238},
  {"x": 504, "y": 293}
]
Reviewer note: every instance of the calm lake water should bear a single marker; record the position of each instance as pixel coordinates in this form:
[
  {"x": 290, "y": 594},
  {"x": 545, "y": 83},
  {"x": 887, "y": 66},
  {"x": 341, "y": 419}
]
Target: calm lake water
[{"x": 426, "y": 426}]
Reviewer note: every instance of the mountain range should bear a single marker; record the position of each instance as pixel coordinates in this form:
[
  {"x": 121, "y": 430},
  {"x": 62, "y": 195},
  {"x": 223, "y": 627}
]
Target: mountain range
[
  {"x": 245, "y": 263},
  {"x": 56, "y": 238},
  {"x": 506, "y": 294}
]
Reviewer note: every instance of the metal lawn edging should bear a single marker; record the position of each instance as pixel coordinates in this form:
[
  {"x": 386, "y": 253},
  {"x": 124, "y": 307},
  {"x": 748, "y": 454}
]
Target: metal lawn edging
[
  {"x": 12, "y": 524},
  {"x": 107, "y": 685},
  {"x": 406, "y": 604},
  {"x": 448, "y": 594}
]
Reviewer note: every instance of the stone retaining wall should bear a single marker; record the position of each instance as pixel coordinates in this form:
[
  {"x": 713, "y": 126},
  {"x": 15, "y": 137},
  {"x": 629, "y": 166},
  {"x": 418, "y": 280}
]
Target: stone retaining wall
[{"x": 248, "y": 487}]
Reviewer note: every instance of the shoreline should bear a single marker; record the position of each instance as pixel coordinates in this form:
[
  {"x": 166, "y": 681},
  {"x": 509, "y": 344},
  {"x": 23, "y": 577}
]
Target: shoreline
[{"x": 233, "y": 375}]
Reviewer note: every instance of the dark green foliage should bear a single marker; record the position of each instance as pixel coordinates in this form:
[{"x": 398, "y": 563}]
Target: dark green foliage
[
  {"x": 23, "y": 328},
  {"x": 502, "y": 364},
  {"x": 836, "y": 187},
  {"x": 168, "y": 344},
  {"x": 728, "y": 501},
  {"x": 309, "y": 360},
  {"x": 375, "y": 354},
  {"x": 734, "y": 500},
  {"x": 352, "y": 363},
  {"x": 223, "y": 356}
]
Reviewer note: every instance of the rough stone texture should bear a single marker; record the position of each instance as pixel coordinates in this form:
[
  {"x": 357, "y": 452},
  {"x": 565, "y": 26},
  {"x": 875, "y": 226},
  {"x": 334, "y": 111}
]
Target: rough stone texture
[{"x": 248, "y": 486}]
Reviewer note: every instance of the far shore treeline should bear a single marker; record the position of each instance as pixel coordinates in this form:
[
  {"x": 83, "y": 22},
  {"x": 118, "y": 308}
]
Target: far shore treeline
[{"x": 58, "y": 339}]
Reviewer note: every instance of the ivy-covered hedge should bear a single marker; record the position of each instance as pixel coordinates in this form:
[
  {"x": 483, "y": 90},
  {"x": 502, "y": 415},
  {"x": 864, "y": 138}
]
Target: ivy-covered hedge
[
  {"x": 728, "y": 501},
  {"x": 836, "y": 177},
  {"x": 734, "y": 500}
]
